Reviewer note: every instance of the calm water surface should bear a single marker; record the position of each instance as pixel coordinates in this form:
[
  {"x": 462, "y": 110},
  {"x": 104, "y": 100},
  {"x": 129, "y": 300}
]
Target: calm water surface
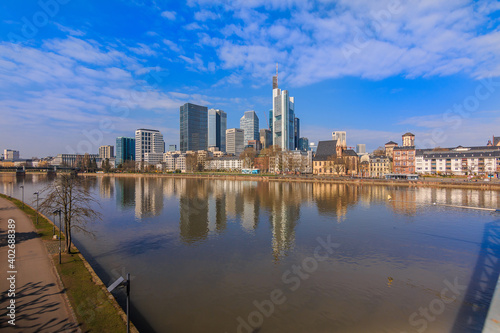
[{"x": 212, "y": 256}]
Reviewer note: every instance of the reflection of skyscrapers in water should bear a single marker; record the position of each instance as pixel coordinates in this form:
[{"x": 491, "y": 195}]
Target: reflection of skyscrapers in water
[
  {"x": 335, "y": 199},
  {"x": 125, "y": 192},
  {"x": 107, "y": 187},
  {"x": 193, "y": 211},
  {"x": 148, "y": 197}
]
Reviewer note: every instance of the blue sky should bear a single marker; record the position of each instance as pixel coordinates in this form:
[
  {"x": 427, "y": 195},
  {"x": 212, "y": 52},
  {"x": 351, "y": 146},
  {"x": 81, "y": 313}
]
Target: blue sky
[{"x": 76, "y": 74}]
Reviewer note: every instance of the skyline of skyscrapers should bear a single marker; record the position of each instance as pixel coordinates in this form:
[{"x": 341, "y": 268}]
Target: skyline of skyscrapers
[
  {"x": 125, "y": 150},
  {"x": 193, "y": 127},
  {"x": 217, "y": 126},
  {"x": 249, "y": 123}
]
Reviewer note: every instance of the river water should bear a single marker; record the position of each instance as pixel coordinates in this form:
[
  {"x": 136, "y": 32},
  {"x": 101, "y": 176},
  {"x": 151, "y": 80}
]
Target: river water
[{"x": 250, "y": 256}]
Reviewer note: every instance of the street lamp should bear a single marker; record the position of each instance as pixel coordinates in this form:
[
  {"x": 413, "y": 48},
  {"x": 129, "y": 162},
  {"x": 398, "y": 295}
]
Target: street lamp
[
  {"x": 22, "y": 187},
  {"x": 36, "y": 193},
  {"x": 59, "y": 212}
]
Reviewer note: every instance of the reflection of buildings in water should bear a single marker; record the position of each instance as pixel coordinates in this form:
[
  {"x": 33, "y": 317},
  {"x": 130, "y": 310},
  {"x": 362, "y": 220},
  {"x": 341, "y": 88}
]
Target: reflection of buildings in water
[
  {"x": 284, "y": 204},
  {"x": 107, "y": 187},
  {"x": 234, "y": 198},
  {"x": 335, "y": 198},
  {"x": 217, "y": 219},
  {"x": 148, "y": 197},
  {"x": 125, "y": 192},
  {"x": 194, "y": 211},
  {"x": 404, "y": 201},
  {"x": 457, "y": 197}
]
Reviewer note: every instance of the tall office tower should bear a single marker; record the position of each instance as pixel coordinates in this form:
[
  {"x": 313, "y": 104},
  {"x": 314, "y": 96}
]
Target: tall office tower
[
  {"x": 148, "y": 141},
  {"x": 250, "y": 124},
  {"x": 125, "y": 150},
  {"x": 235, "y": 141},
  {"x": 193, "y": 127},
  {"x": 106, "y": 152},
  {"x": 283, "y": 118},
  {"x": 341, "y": 138},
  {"x": 296, "y": 135},
  {"x": 10, "y": 155},
  {"x": 361, "y": 148},
  {"x": 266, "y": 137},
  {"x": 270, "y": 124},
  {"x": 217, "y": 125},
  {"x": 303, "y": 144}
]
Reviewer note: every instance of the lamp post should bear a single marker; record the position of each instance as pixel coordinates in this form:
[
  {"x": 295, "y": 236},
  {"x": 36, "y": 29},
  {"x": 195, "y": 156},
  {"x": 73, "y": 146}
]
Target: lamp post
[
  {"x": 36, "y": 193},
  {"x": 22, "y": 187},
  {"x": 59, "y": 212}
]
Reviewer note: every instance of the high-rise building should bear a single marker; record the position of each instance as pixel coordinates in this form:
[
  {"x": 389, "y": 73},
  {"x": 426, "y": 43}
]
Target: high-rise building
[
  {"x": 296, "y": 136},
  {"x": 148, "y": 141},
  {"x": 217, "y": 125},
  {"x": 283, "y": 120},
  {"x": 172, "y": 147},
  {"x": 361, "y": 148},
  {"x": 266, "y": 137},
  {"x": 250, "y": 124},
  {"x": 341, "y": 137},
  {"x": 10, "y": 155},
  {"x": 193, "y": 127},
  {"x": 235, "y": 141},
  {"x": 125, "y": 150},
  {"x": 106, "y": 152},
  {"x": 303, "y": 144}
]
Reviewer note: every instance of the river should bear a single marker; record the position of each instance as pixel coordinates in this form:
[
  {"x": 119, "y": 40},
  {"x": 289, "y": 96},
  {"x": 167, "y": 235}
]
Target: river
[{"x": 253, "y": 256}]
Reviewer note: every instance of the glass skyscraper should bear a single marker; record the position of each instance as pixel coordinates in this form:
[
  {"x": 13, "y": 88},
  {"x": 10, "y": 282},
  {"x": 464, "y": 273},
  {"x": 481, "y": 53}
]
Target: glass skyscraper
[
  {"x": 125, "y": 150},
  {"x": 217, "y": 125},
  {"x": 250, "y": 124},
  {"x": 193, "y": 127},
  {"x": 283, "y": 119}
]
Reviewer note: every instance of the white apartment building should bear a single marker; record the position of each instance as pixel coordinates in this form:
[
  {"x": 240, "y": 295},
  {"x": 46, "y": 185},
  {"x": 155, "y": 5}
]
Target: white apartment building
[
  {"x": 459, "y": 161},
  {"x": 230, "y": 163},
  {"x": 148, "y": 141}
]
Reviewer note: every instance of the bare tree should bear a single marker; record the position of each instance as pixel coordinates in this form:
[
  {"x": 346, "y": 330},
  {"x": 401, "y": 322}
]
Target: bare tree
[
  {"x": 248, "y": 156},
  {"x": 70, "y": 195},
  {"x": 191, "y": 162}
]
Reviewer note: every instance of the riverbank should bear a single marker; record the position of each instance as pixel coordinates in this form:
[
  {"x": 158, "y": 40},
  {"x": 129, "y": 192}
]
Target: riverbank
[
  {"x": 92, "y": 306},
  {"x": 436, "y": 183}
]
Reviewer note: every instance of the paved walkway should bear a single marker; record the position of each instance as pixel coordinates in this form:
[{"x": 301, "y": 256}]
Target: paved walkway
[{"x": 40, "y": 301}]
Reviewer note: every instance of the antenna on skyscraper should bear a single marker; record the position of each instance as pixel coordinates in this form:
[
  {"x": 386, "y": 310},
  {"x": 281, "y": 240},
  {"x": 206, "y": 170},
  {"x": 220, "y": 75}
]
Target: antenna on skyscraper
[{"x": 276, "y": 73}]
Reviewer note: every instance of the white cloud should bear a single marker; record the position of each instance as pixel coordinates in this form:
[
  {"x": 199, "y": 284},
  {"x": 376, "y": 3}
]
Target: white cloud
[
  {"x": 205, "y": 15},
  {"x": 170, "y": 15},
  {"x": 171, "y": 45}
]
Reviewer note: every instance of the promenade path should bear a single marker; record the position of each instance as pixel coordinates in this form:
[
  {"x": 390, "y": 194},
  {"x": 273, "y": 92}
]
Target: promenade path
[{"x": 40, "y": 301}]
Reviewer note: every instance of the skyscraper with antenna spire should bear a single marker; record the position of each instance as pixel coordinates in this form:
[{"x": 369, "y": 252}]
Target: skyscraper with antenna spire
[{"x": 283, "y": 119}]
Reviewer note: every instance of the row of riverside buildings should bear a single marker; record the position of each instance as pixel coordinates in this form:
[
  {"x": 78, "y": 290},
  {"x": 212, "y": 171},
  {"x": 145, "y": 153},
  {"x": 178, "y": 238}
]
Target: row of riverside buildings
[{"x": 207, "y": 144}]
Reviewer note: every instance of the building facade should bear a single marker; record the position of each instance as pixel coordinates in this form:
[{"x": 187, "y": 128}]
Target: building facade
[
  {"x": 249, "y": 123},
  {"x": 303, "y": 144},
  {"x": 340, "y": 137},
  {"x": 459, "y": 161},
  {"x": 235, "y": 141},
  {"x": 380, "y": 166},
  {"x": 283, "y": 120},
  {"x": 106, "y": 152},
  {"x": 193, "y": 127},
  {"x": 217, "y": 126},
  {"x": 125, "y": 150},
  {"x": 148, "y": 141},
  {"x": 266, "y": 137},
  {"x": 404, "y": 156},
  {"x": 296, "y": 136},
  {"x": 361, "y": 148},
  {"x": 10, "y": 155}
]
